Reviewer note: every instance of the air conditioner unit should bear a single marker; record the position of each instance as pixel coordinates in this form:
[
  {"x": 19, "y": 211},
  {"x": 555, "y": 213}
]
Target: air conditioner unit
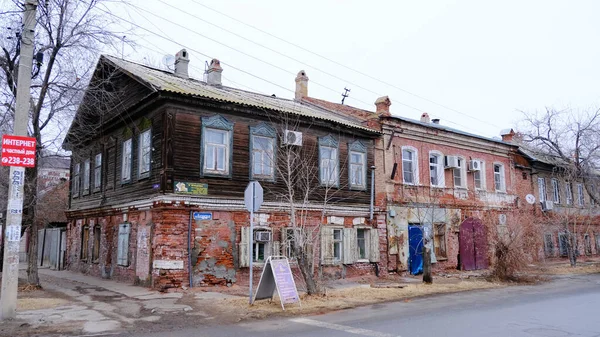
[
  {"x": 292, "y": 138},
  {"x": 451, "y": 162},
  {"x": 475, "y": 165},
  {"x": 262, "y": 236},
  {"x": 547, "y": 205}
]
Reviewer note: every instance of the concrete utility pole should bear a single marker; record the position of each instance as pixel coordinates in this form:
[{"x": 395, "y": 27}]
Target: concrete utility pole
[{"x": 14, "y": 216}]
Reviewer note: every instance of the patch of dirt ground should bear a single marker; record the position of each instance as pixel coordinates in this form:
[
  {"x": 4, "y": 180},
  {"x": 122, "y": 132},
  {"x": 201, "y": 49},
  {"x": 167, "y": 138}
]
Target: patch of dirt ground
[{"x": 337, "y": 299}]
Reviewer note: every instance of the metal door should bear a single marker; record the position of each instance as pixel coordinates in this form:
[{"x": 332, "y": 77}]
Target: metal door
[
  {"x": 473, "y": 245},
  {"x": 415, "y": 249}
]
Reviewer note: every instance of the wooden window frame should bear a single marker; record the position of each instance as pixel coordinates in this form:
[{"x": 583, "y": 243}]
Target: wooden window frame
[
  {"x": 263, "y": 130},
  {"x": 414, "y": 161},
  {"x": 126, "y": 162},
  {"x": 97, "y": 172},
  {"x": 85, "y": 243},
  {"x": 331, "y": 144},
  {"x": 217, "y": 123},
  {"x": 86, "y": 176},
  {"x": 501, "y": 175},
  {"x": 96, "y": 245},
  {"x": 76, "y": 180},
  {"x": 143, "y": 149}
]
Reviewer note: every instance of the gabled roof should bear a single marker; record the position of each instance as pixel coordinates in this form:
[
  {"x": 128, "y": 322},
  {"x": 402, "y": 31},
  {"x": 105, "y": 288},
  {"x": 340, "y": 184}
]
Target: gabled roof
[{"x": 163, "y": 81}]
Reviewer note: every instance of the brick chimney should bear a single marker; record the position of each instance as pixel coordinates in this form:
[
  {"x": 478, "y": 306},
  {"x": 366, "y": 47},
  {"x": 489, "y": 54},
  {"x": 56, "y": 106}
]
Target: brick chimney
[
  {"x": 182, "y": 61},
  {"x": 301, "y": 85},
  {"x": 507, "y": 135},
  {"x": 425, "y": 118},
  {"x": 213, "y": 74},
  {"x": 382, "y": 106}
]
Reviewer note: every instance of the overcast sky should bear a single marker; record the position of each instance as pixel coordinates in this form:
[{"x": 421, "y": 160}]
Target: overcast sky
[{"x": 473, "y": 64}]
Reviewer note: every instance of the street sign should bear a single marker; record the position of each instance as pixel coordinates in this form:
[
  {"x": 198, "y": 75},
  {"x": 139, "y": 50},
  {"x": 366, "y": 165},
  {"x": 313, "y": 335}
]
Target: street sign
[
  {"x": 253, "y": 196},
  {"x": 18, "y": 151},
  {"x": 202, "y": 216}
]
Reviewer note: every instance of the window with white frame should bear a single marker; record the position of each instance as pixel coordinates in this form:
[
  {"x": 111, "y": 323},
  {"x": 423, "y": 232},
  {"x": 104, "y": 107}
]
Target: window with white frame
[
  {"x": 76, "y": 179},
  {"x": 328, "y": 161},
  {"x": 542, "y": 189},
  {"x": 262, "y": 148},
  {"x": 86, "y": 176},
  {"x": 410, "y": 167},
  {"x": 98, "y": 172},
  {"x": 479, "y": 177},
  {"x": 499, "y": 178},
  {"x": 362, "y": 240},
  {"x": 290, "y": 242},
  {"x": 436, "y": 169},
  {"x": 569, "y": 193},
  {"x": 261, "y": 247},
  {"x": 337, "y": 245},
  {"x": 459, "y": 174},
  {"x": 126, "y": 159},
  {"x": 217, "y": 138},
  {"x": 144, "y": 153},
  {"x": 357, "y": 166},
  {"x": 580, "y": 195},
  {"x": 555, "y": 191}
]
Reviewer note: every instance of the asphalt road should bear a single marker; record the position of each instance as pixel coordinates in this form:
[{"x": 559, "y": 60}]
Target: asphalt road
[{"x": 568, "y": 306}]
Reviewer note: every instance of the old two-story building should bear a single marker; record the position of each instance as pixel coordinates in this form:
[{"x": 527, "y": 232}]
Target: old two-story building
[
  {"x": 562, "y": 206},
  {"x": 458, "y": 190},
  {"x": 160, "y": 162}
]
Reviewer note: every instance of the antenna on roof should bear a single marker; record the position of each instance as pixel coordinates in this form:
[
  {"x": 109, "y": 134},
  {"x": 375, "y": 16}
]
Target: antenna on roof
[
  {"x": 345, "y": 94},
  {"x": 169, "y": 62}
]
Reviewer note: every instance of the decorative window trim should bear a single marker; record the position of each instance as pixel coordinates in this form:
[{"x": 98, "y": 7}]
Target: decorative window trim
[
  {"x": 357, "y": 147},
  {"x": 541, "y": 182},
  {"x": 415, "y": 162},
  {"x": 502, "y": 176},
  {"x": 441, "y": 172},
  {"x": 144, "y": 174},
  {"x": 267, "y": 131},
  {"x": 123, "y": 179},
  {"x": 330, "y": 142},
  {"x": 217, "y": 122}
]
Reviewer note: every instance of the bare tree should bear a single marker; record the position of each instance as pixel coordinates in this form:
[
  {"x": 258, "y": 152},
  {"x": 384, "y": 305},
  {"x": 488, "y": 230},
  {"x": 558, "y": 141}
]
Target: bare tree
[
  {"x": 70, "y": 34},
  {"x": 570, "y": 141}
]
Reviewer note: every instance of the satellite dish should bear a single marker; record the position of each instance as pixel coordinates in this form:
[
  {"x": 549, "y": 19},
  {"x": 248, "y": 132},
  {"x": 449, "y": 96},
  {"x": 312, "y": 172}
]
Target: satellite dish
[
  {"x": 530, "y": 199},
  {"x": 169, "y": 62}
]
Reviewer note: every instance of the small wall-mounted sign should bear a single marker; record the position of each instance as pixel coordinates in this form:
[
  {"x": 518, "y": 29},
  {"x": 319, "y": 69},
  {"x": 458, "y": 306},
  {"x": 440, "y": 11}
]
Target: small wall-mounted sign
[
  {"x": 199, "y": 216},
  {"x": 182, "y": 187},
  {"x": 167, "y": 264}
]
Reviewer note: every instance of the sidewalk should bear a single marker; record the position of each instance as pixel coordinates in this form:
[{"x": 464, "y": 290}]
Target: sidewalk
[{"x": 73, "y": 303}]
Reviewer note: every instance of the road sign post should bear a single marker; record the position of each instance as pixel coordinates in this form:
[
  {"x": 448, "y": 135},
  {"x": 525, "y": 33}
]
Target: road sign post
[{"x": 253, "y": 199}]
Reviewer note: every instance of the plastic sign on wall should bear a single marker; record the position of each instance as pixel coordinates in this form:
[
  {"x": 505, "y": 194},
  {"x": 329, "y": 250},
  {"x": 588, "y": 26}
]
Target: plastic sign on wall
[{"x": 18, "y": 151}]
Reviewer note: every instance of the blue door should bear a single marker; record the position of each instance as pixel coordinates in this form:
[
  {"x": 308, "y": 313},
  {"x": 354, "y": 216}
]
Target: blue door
[{"x": 415, "y": 250}]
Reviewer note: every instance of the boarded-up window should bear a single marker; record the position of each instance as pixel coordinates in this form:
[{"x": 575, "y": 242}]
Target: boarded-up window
[
  {"x": 563, "y": 243},
  {"x": 96, "y": 247},
  {"x": 587, "y": 241},
  {"x": 439, "y": 240},
  {"x": 85, "y": 242},
  {"x": 123, "y": 246},
  {"x": 548, "y": 244}
]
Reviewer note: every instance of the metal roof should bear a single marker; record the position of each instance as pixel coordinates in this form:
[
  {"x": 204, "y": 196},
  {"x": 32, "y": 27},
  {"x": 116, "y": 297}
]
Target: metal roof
[{"x": 165, "y": 81}]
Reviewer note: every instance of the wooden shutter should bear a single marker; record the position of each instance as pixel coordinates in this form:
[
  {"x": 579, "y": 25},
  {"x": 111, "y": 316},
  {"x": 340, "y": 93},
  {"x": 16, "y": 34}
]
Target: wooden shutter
[
  {"x": 350, "y": 246},
  {"x": 374, "y": 245},
  {"x": 326, "y": 245},
  {"x": 123, "y": 246},
  {"x": 243, "y": 247}
]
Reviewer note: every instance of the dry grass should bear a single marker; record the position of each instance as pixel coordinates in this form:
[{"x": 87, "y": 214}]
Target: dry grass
[
  {"x": 39, "y": 303},
  {"x": 346, "y": 298},
  {"x": 565, "y": 269}
]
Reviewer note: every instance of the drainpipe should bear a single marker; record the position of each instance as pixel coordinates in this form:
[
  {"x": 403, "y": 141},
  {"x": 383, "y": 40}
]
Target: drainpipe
[
  {"x": 190, "y": 249},
  {"x": 371, "y": 206}
]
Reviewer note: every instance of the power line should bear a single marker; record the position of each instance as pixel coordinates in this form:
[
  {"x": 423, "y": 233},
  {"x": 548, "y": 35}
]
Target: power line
[
  {"x": 342, "y": 65},
  {"x": 227, "y": 64},
  {"x": 235, "y": 49}
]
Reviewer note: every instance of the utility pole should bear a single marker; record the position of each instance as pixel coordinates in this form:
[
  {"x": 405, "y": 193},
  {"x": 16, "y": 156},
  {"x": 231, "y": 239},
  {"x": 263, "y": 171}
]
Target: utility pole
[{"x": 14, "y": 216}]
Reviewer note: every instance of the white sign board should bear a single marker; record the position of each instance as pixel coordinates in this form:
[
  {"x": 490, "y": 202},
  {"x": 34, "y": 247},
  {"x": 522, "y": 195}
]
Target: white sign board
[
  {"x": 167, "y": 264},
  {"x": 277, "y": 275},
  {"x": 253, "y": 196}
]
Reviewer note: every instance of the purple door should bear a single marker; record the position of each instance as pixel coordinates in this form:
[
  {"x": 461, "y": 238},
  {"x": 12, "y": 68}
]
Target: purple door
[{"x": 472, "y": 245}]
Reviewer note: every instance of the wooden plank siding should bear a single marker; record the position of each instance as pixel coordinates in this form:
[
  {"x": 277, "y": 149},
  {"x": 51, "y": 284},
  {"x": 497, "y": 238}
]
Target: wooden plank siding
[{"x": 176, "y": 142}]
